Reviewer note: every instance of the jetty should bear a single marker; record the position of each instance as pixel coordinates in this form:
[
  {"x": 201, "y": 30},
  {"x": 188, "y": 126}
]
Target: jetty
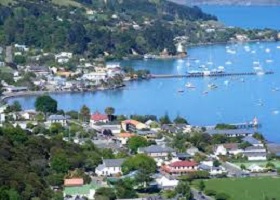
[{"x": 200, "y": 75}]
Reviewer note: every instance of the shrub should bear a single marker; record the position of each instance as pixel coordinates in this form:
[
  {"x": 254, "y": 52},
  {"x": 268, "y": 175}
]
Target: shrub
[
  {"x": 222, "y": 196},
  {"x": 210, "y": 192}
]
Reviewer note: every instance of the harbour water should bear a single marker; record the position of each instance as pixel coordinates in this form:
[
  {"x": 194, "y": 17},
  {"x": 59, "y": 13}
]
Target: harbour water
[{"x": 234, "y": 100}]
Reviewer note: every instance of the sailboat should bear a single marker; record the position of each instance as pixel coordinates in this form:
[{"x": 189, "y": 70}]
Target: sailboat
[{"x": 189, "y": 85}]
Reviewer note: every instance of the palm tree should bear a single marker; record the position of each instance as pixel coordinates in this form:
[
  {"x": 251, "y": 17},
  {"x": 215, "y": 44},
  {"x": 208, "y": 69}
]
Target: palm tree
[{"x": 110, "y": 111}]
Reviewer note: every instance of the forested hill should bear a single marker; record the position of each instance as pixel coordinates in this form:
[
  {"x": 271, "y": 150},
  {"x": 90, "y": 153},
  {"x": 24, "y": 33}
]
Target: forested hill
[{"x": 94, "y": 27}]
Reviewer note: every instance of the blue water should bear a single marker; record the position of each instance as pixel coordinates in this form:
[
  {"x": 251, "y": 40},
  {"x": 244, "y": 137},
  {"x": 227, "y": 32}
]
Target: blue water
[
  {"x": 237, "y": 101},
  {"x": 247, "y": 16}
]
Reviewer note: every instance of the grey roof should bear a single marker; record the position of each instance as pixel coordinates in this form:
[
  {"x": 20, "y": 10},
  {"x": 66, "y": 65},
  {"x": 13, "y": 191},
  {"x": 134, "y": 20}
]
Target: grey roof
[
  {"x": 254, "y": 148},
  {"x": 156, "y": 149},
  {"x": 113, "y": 162},
  {"x": 251, "y": 140},
  {"x": 231, "y": 131},
  {"x": 183, "y": 155},
  {"x": 56, "y": 117}
]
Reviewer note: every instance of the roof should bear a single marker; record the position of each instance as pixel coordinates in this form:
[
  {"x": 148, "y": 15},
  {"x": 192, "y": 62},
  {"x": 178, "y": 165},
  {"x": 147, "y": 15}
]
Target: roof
[
  {"x": 231, "y": 132},
  {"x": 251, "y": 140},
  {"x": 183, "y": 155},
  {"x": 156, "y": 149},
  {"x": 73, "y": 182},
  {"x": 56, "y": 117},
  {"x": 98, "y": 116},
  {"x": 185, "y": 163},
  {"x": 113, "y": 162},
  {"x": 251, "y": 148},
  {"x": 231, "y": 146},
  {"x": 131, "y": 121},
  {"x": 126, "y": 135}
]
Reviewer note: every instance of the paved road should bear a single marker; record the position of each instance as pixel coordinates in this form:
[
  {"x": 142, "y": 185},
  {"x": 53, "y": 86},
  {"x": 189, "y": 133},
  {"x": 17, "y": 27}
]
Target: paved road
[{"x": 198, "y": 196}]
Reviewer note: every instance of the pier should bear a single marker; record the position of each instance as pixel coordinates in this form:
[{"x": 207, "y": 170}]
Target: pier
[{"x": 200, "y": 75}]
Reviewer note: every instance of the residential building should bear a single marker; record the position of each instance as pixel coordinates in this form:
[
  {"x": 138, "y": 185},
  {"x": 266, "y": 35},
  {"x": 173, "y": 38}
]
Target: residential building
[
  {"x": 57, "y": 119},
  {"x": 73, "y": 182},
  {"x": 132, "y": 125},
  {"x": 98, "y": 117},
  {"x": 253, "y": 156},
  {"x": 124, "y": 137},
  {"x": 165, "y": 183},
  {"x": 156, "y": 151},
  {"x": 180, "y": 168},
  {"x": 192, "y": 151},
  {"x": 95, "y": 76},
  {"x": 16, "y": 89},
  {"x": 228, "y": 148},
  {"x": 109, "y": 167},
  {"x": 255, "y": 149}
]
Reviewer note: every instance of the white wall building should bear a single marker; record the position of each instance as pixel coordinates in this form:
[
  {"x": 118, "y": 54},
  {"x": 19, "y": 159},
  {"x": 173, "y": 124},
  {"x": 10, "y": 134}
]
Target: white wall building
[{"x": 109, "y": 167}]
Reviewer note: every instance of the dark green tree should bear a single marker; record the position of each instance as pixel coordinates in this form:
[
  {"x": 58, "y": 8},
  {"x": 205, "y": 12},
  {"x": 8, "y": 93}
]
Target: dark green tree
[
  {"x": 110, "y": 111},
  {"x": 85, "y": 113},
  {"x": 105, "y": 193},
  {"x": 165, "y": 119},
  {"x": 125, "y": 190},
  {"x": 46, "y": 104},
  {"x": 184, "y": 189},
  {"x": 180, "y": 120},
  {"x": 201, "y": 185}
]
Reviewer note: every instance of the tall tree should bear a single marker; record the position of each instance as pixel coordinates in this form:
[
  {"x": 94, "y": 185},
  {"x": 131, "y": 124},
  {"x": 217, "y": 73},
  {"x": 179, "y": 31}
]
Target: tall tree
[
  {"x": 110, "y": 111},
  {"x": 85, "y": 113},
  {"x": 184, "y": 189},
  {"x": 46, "y": 104},
  {"x": 165, "y": 119}
]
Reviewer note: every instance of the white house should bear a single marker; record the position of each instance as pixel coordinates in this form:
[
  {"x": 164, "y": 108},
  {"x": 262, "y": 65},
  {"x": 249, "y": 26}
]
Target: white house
[
  {"x": 98, "y": 117},
  {"x": 255, "y": 168},
  {"x": 192, "y": 151},
  {"x": 166, "y": 183},
  {"x": 109, "y": 167},
  {"x": 220, "y": 150},
  {"x": 252, "y": 156},
  {"x": 95, "y": 76},
  {"x": 57, "y": 119},
  {"x": 229, "y": 148}
]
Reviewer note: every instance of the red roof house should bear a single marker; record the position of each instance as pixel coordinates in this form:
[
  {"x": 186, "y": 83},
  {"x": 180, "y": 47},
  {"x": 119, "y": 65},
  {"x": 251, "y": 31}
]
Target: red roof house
[
  {"x": 180, "y": 167},
  {"x": 73, "y": 182},
  {"x": 98, "y": 117}
]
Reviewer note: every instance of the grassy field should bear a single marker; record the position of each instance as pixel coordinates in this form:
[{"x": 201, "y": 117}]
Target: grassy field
[
  {"x": 66, "y": 3},
  {"x": 246, "y": 188},
  {"x": 260, "y": 163}
]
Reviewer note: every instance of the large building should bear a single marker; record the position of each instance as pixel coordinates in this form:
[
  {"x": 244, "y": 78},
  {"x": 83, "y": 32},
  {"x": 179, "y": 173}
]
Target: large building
[{"x": 180, "y": 168}]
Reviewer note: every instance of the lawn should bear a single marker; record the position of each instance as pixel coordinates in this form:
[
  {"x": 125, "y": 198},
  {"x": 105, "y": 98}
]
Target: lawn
[
  {"x": 246, "y": 188},
  {"x": 260, "y": 163}
]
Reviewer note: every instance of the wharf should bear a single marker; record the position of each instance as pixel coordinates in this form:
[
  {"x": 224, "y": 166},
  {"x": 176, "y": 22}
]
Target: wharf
[{"x": 200, "y": 75}]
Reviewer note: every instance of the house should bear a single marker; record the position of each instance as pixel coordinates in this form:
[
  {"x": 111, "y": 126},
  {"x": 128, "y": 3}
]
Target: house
[
  {"x": 180, "y": 168},
  {"x": 157, "y": 152},
  {"x": 255, "y": 168},
  {"x": 16, "y": 89},
  {"x": 98, "y": 117},
  {"x": 228, "y": 148},
  {"x": 95, "y": 76},
  {"x": 175, "y": 128},
  {"x": 109, "y": 167},
  {"x": 253, "y": 156},
  {"x": 253, "y": 141},
  {"x": 164, "y": 182},
  {"x": 232, "y": 132},
  {"x": 27, "y": 114},
  {"x": 256, "y": 149},
  {"x": 115, "y": 129},
  {"x": 213, "y": 171},
  {"x": 132, "y": 125},
  {"x": 63, "y": 57},
  {"x": 57, "y": 119},
  {"x": 124, "y": 137},
  {"x": 39, "y": 70}
]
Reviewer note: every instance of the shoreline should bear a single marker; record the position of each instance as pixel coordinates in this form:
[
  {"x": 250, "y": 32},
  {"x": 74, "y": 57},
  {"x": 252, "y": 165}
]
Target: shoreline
[{"x": 5, "y": 97}]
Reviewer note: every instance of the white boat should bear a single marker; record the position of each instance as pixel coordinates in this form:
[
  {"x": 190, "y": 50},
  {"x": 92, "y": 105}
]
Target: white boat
[
  {"x": 189, "y": 85},
  {"x": 228, "y": 63},
  {"x": 197, "y": 61},
  {"x": 278, "y": 47},
  {"x": 231, "y": 51},
  {"x": 260, "y": 73},
  {"x": 226, "y": 82},
  {"x": 268, "y": 61},
  {"x": 212, "y": 86},
  {"x": 275, "y": 112},
  {"x": 256, "y": 62},
  {"x": 267, "y": 50}
]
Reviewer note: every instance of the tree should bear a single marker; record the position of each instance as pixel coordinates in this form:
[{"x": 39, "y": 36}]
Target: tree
[
  {"x": 216, "y": 163},
  {"x": 85, "y": 113},
  {"x": 15, "y": 107},
  {"x": 259, "y": 136},
  {"x": 242, "y": 166},
  {"x": 144, "y": 165},
  {"x": 244, "y": 145},
  {"x": 165, "y": 119},
  {"x": 135, "y": 142},
  {"x": 184, "y": 189},
  {"x": 125, "y": 190},
  {"x": 105, "y": 193},
  {"x": 110, "y": 111},
  {"x": 201, "y": 185},
  {"x": 222, "y": 196},
  {"x": 270, "y": 165},
  {"x": 60, "y": 163},
  {"x": 46, "y": 104},
  {"x": 180, "y": 120}
]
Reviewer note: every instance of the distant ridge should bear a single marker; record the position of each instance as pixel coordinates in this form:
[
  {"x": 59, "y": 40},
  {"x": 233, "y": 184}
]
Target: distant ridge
[{"x": 228, "y": 2}]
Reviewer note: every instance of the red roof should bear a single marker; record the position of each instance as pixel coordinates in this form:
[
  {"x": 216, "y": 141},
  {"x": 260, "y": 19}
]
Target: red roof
[
  {"x": 74, "y": 182},
  {"x": 98, "y": 117},
  {"x": 185, "y": 163}
]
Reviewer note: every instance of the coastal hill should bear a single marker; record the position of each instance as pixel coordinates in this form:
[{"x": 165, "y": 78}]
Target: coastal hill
[
  {"x": 111, "y": 27},
  {"x": 227, "y": 2}
]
